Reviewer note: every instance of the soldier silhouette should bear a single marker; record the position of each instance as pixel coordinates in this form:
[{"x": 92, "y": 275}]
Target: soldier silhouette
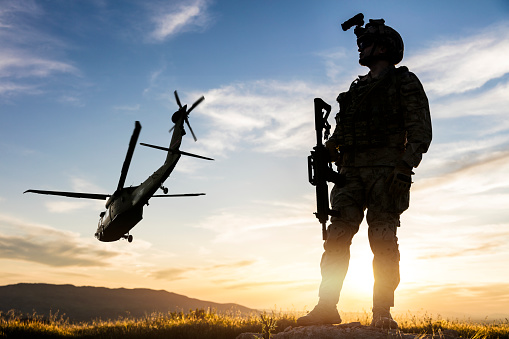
[{"x": 382, "y": 129}]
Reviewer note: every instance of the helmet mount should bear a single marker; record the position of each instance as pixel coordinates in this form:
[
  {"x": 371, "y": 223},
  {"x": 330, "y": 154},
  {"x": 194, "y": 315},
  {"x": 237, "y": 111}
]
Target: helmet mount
[{"x": 378, "y": 33}]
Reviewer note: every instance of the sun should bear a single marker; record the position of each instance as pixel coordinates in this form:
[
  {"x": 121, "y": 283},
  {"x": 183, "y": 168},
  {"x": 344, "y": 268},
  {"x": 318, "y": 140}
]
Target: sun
[
  {"x": 360, "y": 274},
  {"x": 357, "y": 292}
]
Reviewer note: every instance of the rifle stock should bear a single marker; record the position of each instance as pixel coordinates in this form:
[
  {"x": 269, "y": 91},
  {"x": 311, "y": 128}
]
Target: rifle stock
[{"x": 319, "y": 166}]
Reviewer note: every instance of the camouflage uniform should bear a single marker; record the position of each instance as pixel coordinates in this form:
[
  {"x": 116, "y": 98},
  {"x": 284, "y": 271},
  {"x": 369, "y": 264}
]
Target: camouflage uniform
[{"x": 382, "y": 122}]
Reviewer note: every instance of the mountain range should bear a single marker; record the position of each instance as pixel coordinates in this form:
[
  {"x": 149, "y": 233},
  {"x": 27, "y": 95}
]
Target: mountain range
[{"x": 86, "y": 303}]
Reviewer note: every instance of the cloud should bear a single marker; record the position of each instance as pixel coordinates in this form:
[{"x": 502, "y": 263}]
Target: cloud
[
  {"x": 170, "y": 274},
  {"x": 475, "y": 197},
  {"x": 252, "y": 225},
  {"x": 454, "y": 299},
  {"x": 491, "y": 102},
  {"x": 258, "y": 284},
  {"x": 80, "y": 184},
  {"x": 13, "y": 7},
  {"x": 177, "y": 273},
  {"x": 21, "y": 62},
  {"x": 65, "y": 206},
  {"x": 234, "y": 265},
  {"x": 266, "y": 116},
  {"x": 57, "y": 252},
  {"x": 481, "y": 249},
  {"x": 469, "y": 164},
  {"x": 71, "y": 100},
  {"x": 337, "y": 64},
  {"x": 127, "y": 108},
  {"x": 154, "y": 79},
  {"x": 51, "y": 247},
  {"x": 459, "y": 215},
  {"x": 174, "y": 19},
  {"x": 7, "y": 88},
  {"x": 460, "y": 65}
]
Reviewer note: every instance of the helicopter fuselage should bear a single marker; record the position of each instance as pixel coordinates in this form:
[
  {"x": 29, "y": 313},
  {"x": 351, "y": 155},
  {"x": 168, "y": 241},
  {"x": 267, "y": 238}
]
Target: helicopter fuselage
[
  {"x": 124, "y": 209},
  {"x": 119, "y": 217}
]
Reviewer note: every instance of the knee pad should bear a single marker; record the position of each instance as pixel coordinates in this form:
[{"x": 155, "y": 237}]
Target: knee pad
[
  {"x": 339, "y": 238},
  {"x": 383, "y": 241}
]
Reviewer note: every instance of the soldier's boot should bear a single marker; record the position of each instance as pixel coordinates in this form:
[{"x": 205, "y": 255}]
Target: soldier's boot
[
  {"x": 322, "y": 314},
  {"x": 382, "y": 318}
]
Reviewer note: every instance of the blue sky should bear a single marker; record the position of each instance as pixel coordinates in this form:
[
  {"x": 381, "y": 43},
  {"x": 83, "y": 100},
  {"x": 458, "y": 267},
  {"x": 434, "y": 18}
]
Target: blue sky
[{"x": 75, "y": 75}]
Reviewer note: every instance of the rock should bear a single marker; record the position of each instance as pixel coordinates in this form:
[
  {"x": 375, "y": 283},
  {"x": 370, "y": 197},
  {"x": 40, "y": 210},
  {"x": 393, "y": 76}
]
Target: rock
[
  {"x": 346, "y": 331},
  {"x": 249, "y": 335}
]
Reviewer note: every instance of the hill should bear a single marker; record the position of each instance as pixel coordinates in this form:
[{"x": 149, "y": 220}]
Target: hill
[{"x": 86, "y": 303}]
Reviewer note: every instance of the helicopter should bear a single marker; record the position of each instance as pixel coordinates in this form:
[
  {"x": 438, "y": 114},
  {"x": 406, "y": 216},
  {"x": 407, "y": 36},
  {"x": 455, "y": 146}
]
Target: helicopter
[{"x": 124, "y": 208}]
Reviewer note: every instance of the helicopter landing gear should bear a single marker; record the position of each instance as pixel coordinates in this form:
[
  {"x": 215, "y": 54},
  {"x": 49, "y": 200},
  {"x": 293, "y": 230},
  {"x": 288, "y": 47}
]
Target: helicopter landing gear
[
  {"x": 128, "y": 237},
  {"x": 165, "y": 189}
]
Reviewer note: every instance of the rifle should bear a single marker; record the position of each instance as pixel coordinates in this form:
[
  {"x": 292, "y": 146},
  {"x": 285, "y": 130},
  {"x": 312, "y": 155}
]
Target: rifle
[{"x": 320, "y": 168}]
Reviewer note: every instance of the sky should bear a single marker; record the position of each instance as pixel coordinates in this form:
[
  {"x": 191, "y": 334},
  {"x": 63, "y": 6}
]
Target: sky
[{"x": 76, "y": 75}]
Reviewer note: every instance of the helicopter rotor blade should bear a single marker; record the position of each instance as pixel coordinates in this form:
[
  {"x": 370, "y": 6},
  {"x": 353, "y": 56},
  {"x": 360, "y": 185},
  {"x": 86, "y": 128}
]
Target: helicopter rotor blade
[
  {"x": 129, "y": 155},
  {"x": 177, "y": 195},
  {"x": 193, "y": 106},
  {"x": 190, "y": 129},
  {"x": 197, "y": 102},
  {"x": 177, "y": 98},
  {"x": 72, "y": 194}
]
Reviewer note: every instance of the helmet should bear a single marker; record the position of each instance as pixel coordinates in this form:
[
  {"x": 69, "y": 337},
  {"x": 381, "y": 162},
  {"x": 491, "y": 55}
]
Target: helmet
[{"x": 376, "y": 31}]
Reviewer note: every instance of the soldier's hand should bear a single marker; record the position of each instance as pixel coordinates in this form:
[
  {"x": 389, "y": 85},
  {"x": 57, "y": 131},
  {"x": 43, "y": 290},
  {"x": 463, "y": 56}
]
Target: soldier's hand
[
  {"x": 333, "y": 151},
  {"x": 400, "y": 179}
]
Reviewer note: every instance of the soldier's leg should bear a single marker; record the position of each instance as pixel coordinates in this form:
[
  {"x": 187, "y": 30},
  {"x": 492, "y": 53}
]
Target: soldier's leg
[
  {"x": 384, "y": 244},
  {"x": 336, "y": 257},
  {"x": 334, "y": 264},
  {"x": 383, "y": 217},
  {"x": 349, "y": 202}
]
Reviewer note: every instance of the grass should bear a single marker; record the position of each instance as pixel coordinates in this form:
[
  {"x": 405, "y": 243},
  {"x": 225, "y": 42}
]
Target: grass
[
  {"x": 436, "y": 325},
  {"x": 497, "y": 329},
  {"x": 209, "y": 324}
]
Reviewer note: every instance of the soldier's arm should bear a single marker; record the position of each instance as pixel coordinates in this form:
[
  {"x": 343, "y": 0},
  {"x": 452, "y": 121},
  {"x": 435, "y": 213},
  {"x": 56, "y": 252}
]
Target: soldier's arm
[
  {"x": 334, "y": 138},
  {"x": 417, "y": 119},
  {"x": 331, "y": 144}
]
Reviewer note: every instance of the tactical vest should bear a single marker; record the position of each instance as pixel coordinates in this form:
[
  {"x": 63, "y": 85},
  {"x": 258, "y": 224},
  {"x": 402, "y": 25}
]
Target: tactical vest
[{"x": 371, "y": 115}]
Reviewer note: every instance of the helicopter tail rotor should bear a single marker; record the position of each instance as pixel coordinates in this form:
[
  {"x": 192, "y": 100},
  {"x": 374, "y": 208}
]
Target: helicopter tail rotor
[{"x": 184, "y": 111}]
